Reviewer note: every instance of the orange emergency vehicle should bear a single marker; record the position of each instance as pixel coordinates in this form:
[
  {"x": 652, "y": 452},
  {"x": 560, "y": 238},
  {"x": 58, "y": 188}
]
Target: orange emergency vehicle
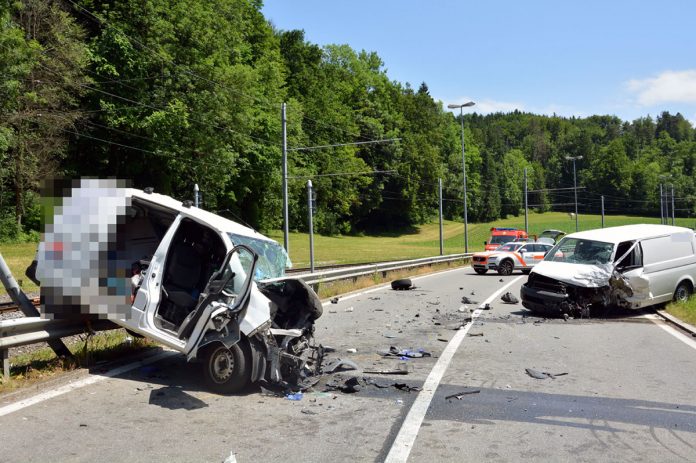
[{"x": 500, "y": 236}]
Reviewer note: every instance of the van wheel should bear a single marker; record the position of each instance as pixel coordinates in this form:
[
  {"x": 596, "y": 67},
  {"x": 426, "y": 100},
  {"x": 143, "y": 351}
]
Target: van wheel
[
  {"x": 683, "y": 292},
  {"x": 505, "y": 268},
  {"x": 227, "y": 371},
  {"x": 481, "y": 271}
]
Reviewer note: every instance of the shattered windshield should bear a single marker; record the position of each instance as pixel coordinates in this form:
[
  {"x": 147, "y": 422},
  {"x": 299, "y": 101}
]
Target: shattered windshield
[
  {"x": 581, "y": 251},
  {"x": 273, "y": 260},
  {"x": 500, "y": 239}
]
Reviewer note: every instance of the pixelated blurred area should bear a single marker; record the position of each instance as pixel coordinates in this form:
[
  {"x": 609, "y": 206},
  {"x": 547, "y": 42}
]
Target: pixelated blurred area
[{"x": 82, "y": 265}]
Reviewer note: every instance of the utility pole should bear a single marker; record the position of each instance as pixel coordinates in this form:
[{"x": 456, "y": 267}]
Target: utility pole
[
  {"x": 286, "y": 226},
  {"x": 575, "y": 187},
  {"x": 662, "y": 208},
  {"x": 602, "y": 211},
  {"x": 673, "y": 204},
  {"x": 310, "y": 213},
  {"x": 466, "y": 219},
  {"x": 526, "y": 221},
  {"x": 439, "y": 189}
]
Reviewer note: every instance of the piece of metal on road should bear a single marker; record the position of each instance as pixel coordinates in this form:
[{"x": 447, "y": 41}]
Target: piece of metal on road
[{"x": 403, "y": 443}]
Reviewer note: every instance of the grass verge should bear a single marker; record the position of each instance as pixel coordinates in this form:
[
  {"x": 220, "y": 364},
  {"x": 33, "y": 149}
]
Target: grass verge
[
  {"x": 685, "y": 311},
  {"x": 40, "y": 365}
]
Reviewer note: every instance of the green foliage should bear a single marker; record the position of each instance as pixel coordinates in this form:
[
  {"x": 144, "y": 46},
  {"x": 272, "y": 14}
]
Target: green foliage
[{"x": 168, "y": 93}]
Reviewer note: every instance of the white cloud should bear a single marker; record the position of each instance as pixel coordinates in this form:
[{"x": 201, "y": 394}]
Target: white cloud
[
  {"x": 667, "y": 87},
  {"x": 486, "y": 106}
]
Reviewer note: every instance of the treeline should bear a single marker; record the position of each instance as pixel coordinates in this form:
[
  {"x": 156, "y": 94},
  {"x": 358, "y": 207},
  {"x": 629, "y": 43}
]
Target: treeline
[{"x": 169, "y": 93}]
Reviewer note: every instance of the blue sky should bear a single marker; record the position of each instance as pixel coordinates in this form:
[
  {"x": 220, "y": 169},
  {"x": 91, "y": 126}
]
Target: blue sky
[{"x": 583, "y": 57}]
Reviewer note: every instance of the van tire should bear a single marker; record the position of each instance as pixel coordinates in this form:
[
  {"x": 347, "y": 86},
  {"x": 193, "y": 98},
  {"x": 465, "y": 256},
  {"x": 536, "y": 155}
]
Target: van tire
[
  {"x": 683, "y": 291},
  {"x": 227, "y": 371},
  {"x": 505, "y": 267}
]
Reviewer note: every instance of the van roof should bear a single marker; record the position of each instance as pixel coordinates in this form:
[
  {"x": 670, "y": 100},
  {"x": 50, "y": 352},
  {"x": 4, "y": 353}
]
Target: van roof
[
  {"x": 220, "y": 223},
  {"x": 629, "y": 232}
]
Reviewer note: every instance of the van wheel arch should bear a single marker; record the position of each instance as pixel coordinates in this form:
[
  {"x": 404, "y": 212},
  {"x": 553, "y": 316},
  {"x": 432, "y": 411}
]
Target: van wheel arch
[{"x": 684, "y": 290}]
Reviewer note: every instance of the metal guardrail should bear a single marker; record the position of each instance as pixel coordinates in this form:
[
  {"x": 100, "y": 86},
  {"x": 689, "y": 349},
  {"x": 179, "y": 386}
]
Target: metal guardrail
[{"x": 30, "y": 330}]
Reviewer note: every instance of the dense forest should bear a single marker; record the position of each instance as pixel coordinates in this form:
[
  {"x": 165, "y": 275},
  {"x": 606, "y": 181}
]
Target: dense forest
[{"x": 169, "y": 93}]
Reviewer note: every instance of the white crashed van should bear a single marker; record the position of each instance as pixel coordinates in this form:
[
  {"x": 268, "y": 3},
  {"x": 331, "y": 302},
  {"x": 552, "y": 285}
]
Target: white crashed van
[
  {"x": 196, "y": 282},
  {"x": 631, "y": 266}
]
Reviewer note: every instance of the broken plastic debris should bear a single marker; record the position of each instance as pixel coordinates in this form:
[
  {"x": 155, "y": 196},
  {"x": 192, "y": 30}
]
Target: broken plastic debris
[
  {"x": 487, "y": 307},
  {"x": 459, "y": 395},
  {"x": 466, "y": 300},
  {"x": 542, "y": 374},
  {"x": 475, "y": 334},
  {"x": 349, "y": 309},
  {"x": 352, "y": 350},
  {"x": 334, "y": 300},
  {"x": 509, "y": 298},
  {"x": 405, "y": 354},
  {"x": 340, "y": 365},
  {"x": 296, "y": 396}
]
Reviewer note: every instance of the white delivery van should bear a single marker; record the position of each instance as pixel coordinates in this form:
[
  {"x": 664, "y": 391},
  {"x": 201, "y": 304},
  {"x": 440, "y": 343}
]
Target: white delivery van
[
  {"x": 196, "y": 282},
  {"x": 631, "y": 266}
]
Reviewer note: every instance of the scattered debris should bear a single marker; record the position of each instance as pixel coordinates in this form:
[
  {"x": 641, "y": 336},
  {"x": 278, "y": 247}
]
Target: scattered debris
[
  {"x": 340, "y": 365},
  {"x": 542, "y": 374},
  {"x": 442, "y": 340},
  {"x": 459, "y": 395},
  {"x": 385, "y": 372},
  {"x": 308, "y": 412},
  {"x": 475, "y": 334},
  {"x": 334, "y": 300},
  {"x": 487, "y": 307},
  {"x": 406, "y": 387},
  {"x": 509, "y": 298},
  {"x": 433, "y": 303},
  {"x": 352, "y": 350},
  {"x": 374, "y": 298},
  {"x": 389, "y": 335},
  {"x": 231, "y": 458},
  {"x": 349, "y": 309},
  {"x": 297, "y": 396},
  {"x": 407, "y": 353},
  {"x": 402, "y": 284},
  {"x": 466, "y": 300},
  {"x": 473, "y": 293}
]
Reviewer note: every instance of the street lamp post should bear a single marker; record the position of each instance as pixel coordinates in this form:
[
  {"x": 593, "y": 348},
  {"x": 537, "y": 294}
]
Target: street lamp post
[
  {"x": 575, "y": 186},
  {"x": 466, "y": 224}
]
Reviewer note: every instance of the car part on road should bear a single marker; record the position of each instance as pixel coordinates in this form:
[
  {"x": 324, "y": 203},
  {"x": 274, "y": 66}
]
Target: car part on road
[
  {"x": 402, "y": 284},
  {"x": 339, "y": 365},
  {"x": 460, "y": 395},
  {"x": 509, "y": 298},
  {"x": 396, "y": 352},
  {"x": 542, "y": 374},
  {"x": 385, "y": 372}
]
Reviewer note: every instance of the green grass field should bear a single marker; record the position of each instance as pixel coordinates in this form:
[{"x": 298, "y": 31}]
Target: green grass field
[
  {"x": 423, "y": 242},
  {"x": 684, "y": 310}
]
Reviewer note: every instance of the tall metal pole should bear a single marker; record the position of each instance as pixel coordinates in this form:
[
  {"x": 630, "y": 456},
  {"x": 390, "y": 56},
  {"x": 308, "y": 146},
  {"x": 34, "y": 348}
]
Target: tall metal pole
[
  {"x": 575, "y": 189},
  {"x": 439, "y": 189},
  {"x": 195, "y": 194},
  {"x": 466, "y": 219},
  {"x": 672, "y": 204},
  {"x": 526, "y": 221},
  {"x": 311, "y": 226},
  {"x": 286, "y": 226},
  {"x": 602, "y": 211},
  {"x": 662, "y": 207}
]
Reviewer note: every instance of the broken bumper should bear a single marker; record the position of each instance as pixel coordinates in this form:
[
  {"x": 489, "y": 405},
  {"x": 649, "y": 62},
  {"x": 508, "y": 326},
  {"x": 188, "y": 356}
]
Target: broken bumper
[{"x": 540, "y": 300}]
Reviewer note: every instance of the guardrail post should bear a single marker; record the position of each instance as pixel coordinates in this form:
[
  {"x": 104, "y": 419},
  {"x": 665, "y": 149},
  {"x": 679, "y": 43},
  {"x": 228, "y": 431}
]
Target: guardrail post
[
  {"x": 5, "y": 353},
  {"x": 22, "y": 301}
]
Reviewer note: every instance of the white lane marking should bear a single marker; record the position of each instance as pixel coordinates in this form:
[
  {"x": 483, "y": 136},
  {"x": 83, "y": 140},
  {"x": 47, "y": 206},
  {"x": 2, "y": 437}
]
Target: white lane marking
[
  {"x": 92, "y": 379},
  {"x": 401, "y": 448},
  {"x": 388, "y": 285},
  {"x": 671, "y": 330}
]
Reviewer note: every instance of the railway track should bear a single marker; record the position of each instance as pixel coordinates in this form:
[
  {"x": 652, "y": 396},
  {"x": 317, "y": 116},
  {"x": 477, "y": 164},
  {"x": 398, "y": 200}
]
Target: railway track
[{"x": 12, "y": 307}]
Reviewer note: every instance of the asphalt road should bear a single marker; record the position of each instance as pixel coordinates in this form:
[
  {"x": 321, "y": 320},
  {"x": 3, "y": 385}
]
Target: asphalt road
[{"x": 627, "y": 395}]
